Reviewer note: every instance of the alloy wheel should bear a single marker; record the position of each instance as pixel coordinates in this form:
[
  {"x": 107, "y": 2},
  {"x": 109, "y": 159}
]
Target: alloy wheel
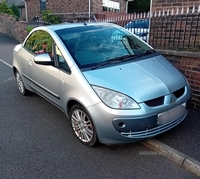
[{"x": 83, "y": 126}]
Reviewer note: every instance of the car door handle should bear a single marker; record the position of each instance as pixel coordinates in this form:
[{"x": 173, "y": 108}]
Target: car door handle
[
  {"x": 63, "y": 81},
  {"x": 30, "y": 63}
]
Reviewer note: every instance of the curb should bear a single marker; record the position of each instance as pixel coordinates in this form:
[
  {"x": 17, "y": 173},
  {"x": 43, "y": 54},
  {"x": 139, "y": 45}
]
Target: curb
[{"x": 183, "y": 160}]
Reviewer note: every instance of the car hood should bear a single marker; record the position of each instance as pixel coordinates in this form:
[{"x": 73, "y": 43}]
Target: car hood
[{"x": 142, "y": 80}]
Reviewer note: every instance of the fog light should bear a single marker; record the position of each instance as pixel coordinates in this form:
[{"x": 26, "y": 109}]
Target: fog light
[{"x": 121, "y": 125}]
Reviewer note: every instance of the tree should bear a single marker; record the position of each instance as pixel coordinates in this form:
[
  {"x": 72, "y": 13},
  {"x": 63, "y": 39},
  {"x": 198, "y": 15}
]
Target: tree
[
  {"x": 139, "y": 6},
  {"x": 15, "y": 10},
  {"x": 4, "y": 8}
]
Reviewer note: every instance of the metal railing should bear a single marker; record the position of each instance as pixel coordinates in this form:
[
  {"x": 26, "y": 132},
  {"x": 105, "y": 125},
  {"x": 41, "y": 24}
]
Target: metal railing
[
  {"x": 176, "y": 31},
  {"x": 36, "y": 22}
]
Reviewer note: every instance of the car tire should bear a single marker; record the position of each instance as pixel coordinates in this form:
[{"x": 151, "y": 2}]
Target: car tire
[
  {"x": 82, "y": 125},
  {"x": 20, "y": 84}
]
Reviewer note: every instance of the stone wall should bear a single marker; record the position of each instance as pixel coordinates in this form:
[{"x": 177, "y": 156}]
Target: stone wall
[
  {"x": 189, "y": 64},
  {"x": 13, "y": 28}
]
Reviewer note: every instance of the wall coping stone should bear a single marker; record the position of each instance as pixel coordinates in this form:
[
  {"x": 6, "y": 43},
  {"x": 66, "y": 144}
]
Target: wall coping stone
[{"x": 179, "y": 53}]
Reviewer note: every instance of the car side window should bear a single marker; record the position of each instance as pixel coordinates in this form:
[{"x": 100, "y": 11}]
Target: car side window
[
  {"x": 61, "y": 60},
  {"x": 39, "y": 42}
]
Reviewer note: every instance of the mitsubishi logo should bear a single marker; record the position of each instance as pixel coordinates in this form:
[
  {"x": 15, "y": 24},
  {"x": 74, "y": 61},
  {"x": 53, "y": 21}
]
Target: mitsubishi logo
[{"x": 172, "y": 99}]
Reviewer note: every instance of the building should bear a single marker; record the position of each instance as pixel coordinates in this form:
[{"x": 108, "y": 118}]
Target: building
[
  {"x": 33, "y": 8},
  {"x": 19, "y": 3}
]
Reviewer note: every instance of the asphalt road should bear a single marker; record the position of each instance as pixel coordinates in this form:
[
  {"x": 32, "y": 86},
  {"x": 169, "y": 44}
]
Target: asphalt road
[
  {"x": 6, "y": 45},
  {"x": 37, "y": 141}
]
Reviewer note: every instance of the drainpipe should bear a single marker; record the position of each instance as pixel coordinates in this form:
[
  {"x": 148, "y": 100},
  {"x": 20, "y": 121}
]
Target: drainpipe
[
  {"x": 150, "y": 14},
  {"x": 127, "y": 5},
  {"x": 89, "y": 10},
  {"x": 26, "y": 10},
  {"x": 151, "y": 7}
]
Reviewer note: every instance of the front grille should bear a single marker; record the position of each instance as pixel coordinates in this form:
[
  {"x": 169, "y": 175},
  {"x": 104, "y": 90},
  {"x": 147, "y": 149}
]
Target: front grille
[
  {"x": 155, "y": 102},
  {"x": 154, "y": 131},
  {"x": 179, "y": 92}
]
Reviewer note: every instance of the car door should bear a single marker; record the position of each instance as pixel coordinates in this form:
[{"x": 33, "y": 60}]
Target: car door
[
  {"x": 66, "y": 79},
  {"x": 44, "y": 78}
]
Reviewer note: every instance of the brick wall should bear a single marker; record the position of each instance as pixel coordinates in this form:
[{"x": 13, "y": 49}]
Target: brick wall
[
  {"x": 189, "y": 64},
  {"x": 68, "y": 6},
  {"x": 13, "y": 28},
  {"x": 96, "y": 6},
  {"x": 33, "y": 9},
  {"x": 165, "y": 4},
  {"x": 75, "y": 6}
]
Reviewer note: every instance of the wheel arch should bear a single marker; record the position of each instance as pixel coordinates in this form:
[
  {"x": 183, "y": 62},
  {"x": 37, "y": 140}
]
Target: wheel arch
[
  {"x": 14, "y": 69},
  {"x": 71, "y": 103}
]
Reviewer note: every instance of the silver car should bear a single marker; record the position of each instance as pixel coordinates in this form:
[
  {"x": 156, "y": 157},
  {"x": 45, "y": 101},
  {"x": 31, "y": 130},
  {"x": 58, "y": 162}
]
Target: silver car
[{"x": 112, "y": 86}]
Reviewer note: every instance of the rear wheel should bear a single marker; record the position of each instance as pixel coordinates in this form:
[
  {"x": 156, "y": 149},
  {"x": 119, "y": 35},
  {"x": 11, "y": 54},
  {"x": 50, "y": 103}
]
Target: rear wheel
[
  {"x": 20, "y": 84},
  {"x": 82, "y": 125}
]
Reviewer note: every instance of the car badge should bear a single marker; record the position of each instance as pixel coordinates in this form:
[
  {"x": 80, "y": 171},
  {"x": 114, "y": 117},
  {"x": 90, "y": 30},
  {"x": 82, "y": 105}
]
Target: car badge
[{"x": 172, "y": 99}]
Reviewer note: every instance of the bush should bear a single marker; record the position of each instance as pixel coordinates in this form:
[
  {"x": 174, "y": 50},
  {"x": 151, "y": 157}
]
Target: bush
[
  {"x": 4, "y": 8},
  {"x": 47, "y": 16},
  {"x": 15, "y": 10},
  {"x": 29, "y": 29}
]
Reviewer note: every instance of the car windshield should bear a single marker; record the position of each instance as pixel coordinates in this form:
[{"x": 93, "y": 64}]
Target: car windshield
[{"x": 91, "y": 45}]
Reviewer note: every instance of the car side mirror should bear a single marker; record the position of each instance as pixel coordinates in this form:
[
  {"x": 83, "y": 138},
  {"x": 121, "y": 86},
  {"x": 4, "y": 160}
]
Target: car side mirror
[{"x": 43, "y": 59}]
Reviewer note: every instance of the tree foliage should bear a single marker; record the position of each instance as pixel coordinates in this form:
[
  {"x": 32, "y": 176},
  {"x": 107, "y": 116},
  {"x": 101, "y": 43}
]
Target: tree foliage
[
  {"x": 5, "y": 9},
  {"x": 48, "y": 16},
  {"x": 15, "y": 10},
  {"x": 139, "y": 6}
]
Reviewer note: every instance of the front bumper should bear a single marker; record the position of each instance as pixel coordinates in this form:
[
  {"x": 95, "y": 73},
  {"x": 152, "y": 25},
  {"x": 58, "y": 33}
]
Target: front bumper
[
  {"x": 155, "y": 130},
  {"x": 117, "y": 127}
]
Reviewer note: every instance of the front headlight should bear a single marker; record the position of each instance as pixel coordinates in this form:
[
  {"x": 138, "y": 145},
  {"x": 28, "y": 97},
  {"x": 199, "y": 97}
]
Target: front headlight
[{"x": 115, "y": 99}]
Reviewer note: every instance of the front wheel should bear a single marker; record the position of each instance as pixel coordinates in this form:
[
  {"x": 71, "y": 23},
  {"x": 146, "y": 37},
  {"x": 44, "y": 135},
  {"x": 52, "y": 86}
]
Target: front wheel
[
  {"x": 82, "y": 125},
  {"x": 20, "y": 84}
]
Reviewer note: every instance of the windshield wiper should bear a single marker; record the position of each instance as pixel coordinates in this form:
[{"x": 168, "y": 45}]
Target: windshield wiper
[
  {"x": 123, "y": 58},
  {"x": 103, "y": 63},
  {"x": 126, "y": 57},
  {"x": 151, "y": 51},
  {"x": 113, "y": 60}
]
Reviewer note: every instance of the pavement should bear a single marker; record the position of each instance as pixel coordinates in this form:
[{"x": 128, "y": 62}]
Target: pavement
[{"x": 181, "y": 144}]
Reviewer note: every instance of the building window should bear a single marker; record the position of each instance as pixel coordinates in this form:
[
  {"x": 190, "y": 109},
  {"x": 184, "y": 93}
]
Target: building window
[
  {"x": 111, "y": 6},
  {"x": 43, "y": 5}
]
